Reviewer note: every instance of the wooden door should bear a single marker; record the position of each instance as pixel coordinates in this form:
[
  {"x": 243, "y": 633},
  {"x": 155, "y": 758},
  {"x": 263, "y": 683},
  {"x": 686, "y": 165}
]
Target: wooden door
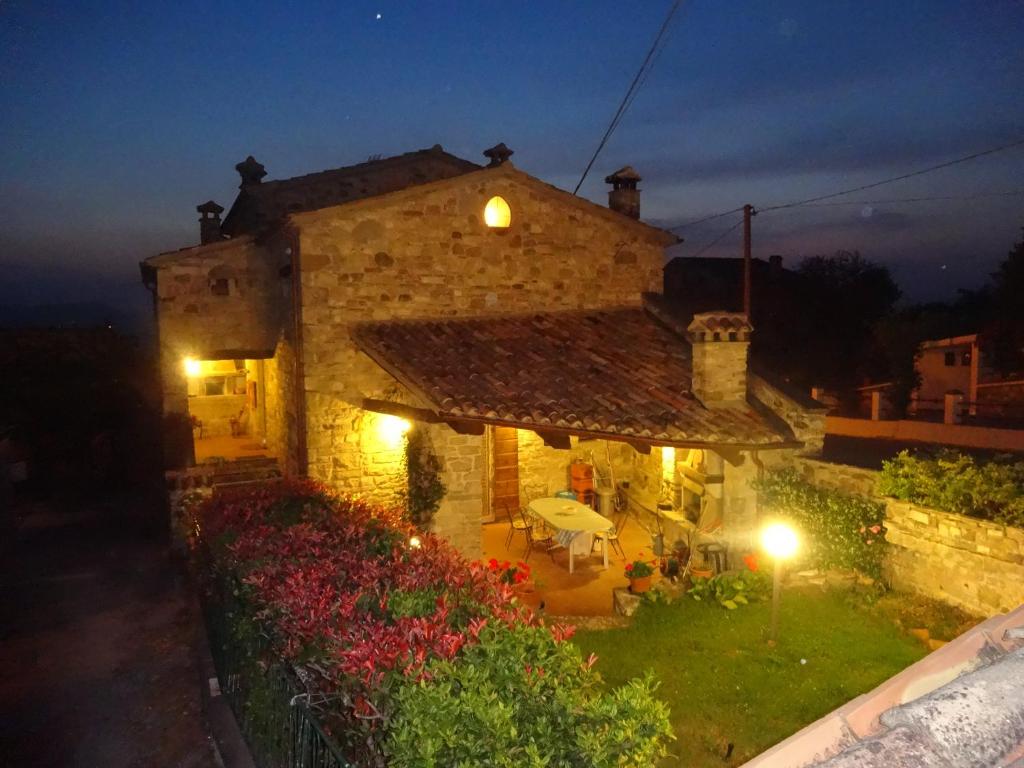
[{"x": 505, "y": 495}]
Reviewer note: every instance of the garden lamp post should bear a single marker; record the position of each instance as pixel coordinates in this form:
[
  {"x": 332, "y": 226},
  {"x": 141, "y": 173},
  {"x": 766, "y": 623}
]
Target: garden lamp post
[{"x": 780, "y": 541}]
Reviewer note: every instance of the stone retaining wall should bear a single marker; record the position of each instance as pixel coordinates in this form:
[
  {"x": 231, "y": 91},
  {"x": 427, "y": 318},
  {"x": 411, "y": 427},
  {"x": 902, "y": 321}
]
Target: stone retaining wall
[{"x": 974, "y": 564}]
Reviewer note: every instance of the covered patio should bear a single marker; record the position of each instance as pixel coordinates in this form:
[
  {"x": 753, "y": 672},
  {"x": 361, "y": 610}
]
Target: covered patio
[{"x": 520, "y": 407}]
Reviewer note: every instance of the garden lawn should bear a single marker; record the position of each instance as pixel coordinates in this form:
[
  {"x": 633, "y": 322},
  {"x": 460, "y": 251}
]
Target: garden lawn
[{"x": 731, "y": 696}]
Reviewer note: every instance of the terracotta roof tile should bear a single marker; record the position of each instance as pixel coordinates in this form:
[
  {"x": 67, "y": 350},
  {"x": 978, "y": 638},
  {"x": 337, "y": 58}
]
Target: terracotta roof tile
[{"x": 617, "y": 371}]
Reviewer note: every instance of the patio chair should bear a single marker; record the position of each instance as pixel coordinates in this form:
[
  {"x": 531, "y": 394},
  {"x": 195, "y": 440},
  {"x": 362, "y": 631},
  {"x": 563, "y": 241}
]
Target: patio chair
[
  {"x": 611, "y": 537},
  {"x": 519, "y": 523}
]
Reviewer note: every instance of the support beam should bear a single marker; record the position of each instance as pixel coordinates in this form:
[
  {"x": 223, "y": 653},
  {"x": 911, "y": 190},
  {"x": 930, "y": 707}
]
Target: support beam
[{"x": 554, "y": 439}]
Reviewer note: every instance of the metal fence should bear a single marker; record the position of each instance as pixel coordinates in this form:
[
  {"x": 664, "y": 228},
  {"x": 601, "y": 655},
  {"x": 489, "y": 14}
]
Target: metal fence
[{"x": 268, "y": 699}]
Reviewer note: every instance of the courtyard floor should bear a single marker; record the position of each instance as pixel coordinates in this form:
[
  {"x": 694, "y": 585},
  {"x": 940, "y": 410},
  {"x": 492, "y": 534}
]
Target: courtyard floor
[
  {"x": 97, "y": 643},
  {"x": 228, "y": 448},
  {"x": 731, "y": 696},
  {"x": 587, "y": 591}
]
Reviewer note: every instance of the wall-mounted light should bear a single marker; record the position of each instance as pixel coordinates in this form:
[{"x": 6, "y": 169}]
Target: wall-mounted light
[
  {"x": 392, "y": 428},
  {"x": 414, "y": 542},
  {"x": 192, "y": 367},
  {"x": 497, "y": 214}
]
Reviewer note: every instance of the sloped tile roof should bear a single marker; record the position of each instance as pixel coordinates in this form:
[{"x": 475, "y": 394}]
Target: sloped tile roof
[
  {"x": 259, "y": 206},
  {"x": 618, "y": 372}
]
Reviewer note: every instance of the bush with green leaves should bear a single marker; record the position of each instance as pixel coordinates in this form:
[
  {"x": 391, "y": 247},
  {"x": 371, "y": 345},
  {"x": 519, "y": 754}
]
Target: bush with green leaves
[
  {"x": 837, "y": 529},
  {"x": 520, "y": 699},
  {"x": 955, "y": 482},
  {"x": 731, "y": 590}
]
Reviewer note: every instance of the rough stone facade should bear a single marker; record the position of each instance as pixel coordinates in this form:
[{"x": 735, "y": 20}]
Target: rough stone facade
[
  {"x": 720, "y": 371},
  {"x": 459, "y": 518},
  {"x": 807, "y": 422},
  {"x": 425, "y": 252},
  {"x": 543, "y": 470},
  {"x": 974, "y": 564}
]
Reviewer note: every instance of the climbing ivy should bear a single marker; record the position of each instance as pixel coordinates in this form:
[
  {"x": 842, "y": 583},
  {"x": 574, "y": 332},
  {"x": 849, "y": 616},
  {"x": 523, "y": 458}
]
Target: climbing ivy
[
  {"x": 425, "y": 488},
  {"x": 839, "y": 530}
]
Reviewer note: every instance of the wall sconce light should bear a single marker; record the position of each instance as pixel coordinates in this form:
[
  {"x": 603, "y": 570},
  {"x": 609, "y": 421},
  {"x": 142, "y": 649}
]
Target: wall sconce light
[
  {"x": 392, "y": 428},
  {"x": 497, "y": 214},
  {"x": 192, "y": 367}
]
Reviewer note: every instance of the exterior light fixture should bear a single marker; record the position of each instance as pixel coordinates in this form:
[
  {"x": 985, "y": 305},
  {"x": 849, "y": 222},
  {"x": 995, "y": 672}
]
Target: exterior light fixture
[
  {"x": 781, "y": 542},
  {"x": 497, "y": 214},
  {"x": 392, "y": 428},
  {"x": 192, "y": 367},
  {"x": 414, "y": 542}
]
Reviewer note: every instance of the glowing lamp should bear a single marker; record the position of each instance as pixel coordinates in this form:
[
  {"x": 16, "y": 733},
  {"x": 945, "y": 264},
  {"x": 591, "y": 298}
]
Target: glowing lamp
[
  {"x": 779, "y": 541},
  {"x": 392, "y": 428},
  {"x": 497, "y": 214},
  {"x": 192, "y": 367},
  {"x": 414, "y": 542}
]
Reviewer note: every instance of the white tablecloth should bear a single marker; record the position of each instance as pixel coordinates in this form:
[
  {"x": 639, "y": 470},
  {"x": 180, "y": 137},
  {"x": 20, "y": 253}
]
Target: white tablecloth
[{"x": 574, "y": 524}]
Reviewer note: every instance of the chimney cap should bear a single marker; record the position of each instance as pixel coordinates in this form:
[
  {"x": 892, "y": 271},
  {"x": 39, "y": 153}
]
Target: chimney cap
[
  {"x": 498, "y": 154},
  {"x": 720, "y": 322},
  {"x": 626, "y": 176},
  {"x": 251, "y": 171},
  {"x": 210, "y": 207}
]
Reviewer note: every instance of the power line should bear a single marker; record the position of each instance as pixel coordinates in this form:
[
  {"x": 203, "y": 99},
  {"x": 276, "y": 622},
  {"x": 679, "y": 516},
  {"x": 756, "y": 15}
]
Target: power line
[
  {"x": 912, "y": 174},
  {"x": 717, "y": 240},
  {"x": 706, "y": 218},
  {"x": 627, "y": 100},
  {"x": 978, "y": 196}
]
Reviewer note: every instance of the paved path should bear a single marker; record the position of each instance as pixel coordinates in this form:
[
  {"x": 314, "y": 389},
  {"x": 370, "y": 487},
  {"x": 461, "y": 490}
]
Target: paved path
[{"x": 97, "y": 662}]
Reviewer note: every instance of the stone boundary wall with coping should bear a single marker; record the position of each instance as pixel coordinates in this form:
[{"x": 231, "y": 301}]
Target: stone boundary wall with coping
[{"x": 974, "y": 564}]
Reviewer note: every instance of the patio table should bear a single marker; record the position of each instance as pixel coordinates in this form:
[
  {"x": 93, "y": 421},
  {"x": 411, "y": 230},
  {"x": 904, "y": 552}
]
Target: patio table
[{"x": 575, "y": 524}]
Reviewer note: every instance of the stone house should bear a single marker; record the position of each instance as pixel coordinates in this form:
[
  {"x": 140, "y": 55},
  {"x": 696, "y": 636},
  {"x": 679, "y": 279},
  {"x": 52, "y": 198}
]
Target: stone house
[{"x": 514, "y": 323}]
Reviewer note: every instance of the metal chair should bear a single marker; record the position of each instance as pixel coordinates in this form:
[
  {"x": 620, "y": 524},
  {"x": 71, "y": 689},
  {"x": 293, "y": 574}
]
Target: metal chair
[
  {"x": 611, "y": 537},
  {"x": 519, "y": 523}
]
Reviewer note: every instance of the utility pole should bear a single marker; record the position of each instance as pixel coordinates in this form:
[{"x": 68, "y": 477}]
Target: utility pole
[{"x": 748, "y": 213}]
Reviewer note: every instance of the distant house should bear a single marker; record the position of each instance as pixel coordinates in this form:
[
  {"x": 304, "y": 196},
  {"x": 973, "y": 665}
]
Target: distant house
[
  {"x": 958, "y": 364},
  {"x": 330, "y": 313}
]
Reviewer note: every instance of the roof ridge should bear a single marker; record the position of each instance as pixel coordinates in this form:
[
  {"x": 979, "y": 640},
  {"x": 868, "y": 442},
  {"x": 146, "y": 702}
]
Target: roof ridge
[{"x": 436, "y": 149}]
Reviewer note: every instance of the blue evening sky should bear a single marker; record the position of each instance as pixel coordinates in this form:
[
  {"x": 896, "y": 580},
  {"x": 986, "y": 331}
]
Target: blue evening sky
[{"x": 117, "y": 118}]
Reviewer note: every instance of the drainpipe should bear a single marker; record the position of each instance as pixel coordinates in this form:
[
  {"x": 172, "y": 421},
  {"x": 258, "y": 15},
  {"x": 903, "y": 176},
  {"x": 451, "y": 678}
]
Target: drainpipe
[{"x": 760, "y": 476}]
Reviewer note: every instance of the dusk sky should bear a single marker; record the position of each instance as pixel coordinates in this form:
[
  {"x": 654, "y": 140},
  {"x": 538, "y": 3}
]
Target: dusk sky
[{"x": 116, "y": 119}]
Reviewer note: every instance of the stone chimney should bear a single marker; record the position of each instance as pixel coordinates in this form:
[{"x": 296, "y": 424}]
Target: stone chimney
[
  {"x": 624, "y": 197},
  {"x": 209, "y": 222},
  {"x": 250, "y": 171},
  {"x": 720, "y": 341},
  {"x": 498, "y": 154}
]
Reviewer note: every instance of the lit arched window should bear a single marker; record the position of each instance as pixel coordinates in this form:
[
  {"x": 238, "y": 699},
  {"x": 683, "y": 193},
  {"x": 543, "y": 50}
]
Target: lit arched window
[{"x": 497, "y": 214}]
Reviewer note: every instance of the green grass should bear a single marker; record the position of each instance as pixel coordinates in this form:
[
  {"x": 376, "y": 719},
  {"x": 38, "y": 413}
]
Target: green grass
[{"x": 724, "y": 685}]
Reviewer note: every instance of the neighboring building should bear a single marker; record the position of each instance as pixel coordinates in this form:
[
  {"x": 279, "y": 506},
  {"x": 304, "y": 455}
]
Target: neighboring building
[
  {"x": 500, "y": 314},
  {"x": 958, "y": 364}
]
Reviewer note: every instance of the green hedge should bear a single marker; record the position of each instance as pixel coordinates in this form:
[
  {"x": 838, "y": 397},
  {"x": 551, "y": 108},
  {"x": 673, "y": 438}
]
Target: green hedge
[
  {"x": 838, "y": 530},
  {"x": 954, "y": 482}
]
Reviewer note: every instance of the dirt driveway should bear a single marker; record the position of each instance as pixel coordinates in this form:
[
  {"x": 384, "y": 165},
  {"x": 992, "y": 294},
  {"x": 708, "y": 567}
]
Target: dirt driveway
[{"x": 97, "y": 666}]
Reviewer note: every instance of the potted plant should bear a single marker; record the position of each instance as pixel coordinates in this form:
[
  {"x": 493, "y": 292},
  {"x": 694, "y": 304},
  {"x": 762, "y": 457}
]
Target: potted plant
[
  {"x": 516, "y": 576},
  {"x": 639, "y": 573}
]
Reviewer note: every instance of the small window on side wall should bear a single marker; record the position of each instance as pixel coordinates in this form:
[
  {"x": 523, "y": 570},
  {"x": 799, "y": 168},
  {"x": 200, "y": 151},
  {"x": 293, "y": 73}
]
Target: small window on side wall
[
  {"x": 497, "y": 214},
  {"x": 950, "y": 358},
  {"x": 220, "y": 286}
]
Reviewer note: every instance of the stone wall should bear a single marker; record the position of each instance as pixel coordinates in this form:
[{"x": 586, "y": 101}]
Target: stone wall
[
  {"x": 459, "y": 518},
  {"x": 279, "y": 402},
  {"x": 807, "y": 423},
  {"x": 543, "y": 470},
  {"x": 195, "y": 320},
  {"x": 425, "y": 252},
  {"x": 971, "y": 563},
  {"x": 974, "y": 564}
]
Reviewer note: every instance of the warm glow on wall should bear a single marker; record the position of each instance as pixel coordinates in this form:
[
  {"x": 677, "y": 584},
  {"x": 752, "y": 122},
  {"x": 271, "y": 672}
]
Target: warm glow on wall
[
  {"x": 192, "y": 367},
  {"x": 497, "y": 214},
  {"x": 392, "y": 428},
  {"x": 668, "y": 464}
]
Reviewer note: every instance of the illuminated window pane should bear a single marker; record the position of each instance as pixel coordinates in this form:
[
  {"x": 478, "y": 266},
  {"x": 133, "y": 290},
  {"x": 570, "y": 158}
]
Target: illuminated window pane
[{"x": 497, "y": 214}]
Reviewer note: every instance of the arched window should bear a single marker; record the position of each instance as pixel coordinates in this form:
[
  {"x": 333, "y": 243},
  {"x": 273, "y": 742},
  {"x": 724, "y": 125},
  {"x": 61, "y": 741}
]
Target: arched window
[{"x": 497, "y": 214}]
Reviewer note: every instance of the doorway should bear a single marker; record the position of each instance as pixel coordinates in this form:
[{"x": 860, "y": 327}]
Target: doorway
[{"x": 504, "y": 473}]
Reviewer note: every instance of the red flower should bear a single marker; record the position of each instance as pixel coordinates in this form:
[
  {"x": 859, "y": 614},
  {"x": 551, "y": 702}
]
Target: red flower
[
  {"x": 751, "y": 561},
  {"x": 629, "y": 566}
]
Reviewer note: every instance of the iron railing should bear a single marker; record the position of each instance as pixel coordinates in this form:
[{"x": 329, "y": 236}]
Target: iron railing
[{"x": 269, "y": 701}]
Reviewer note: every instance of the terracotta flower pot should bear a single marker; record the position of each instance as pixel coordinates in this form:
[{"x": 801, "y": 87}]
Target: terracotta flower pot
[
  {"x": 640, "y": 585},
  {"x": 701, "y": 573}
]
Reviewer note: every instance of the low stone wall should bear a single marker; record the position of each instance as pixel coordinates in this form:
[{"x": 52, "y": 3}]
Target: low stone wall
[
  {"x": 974, "y": 564},
  {"x": 961, "y": 435}
]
